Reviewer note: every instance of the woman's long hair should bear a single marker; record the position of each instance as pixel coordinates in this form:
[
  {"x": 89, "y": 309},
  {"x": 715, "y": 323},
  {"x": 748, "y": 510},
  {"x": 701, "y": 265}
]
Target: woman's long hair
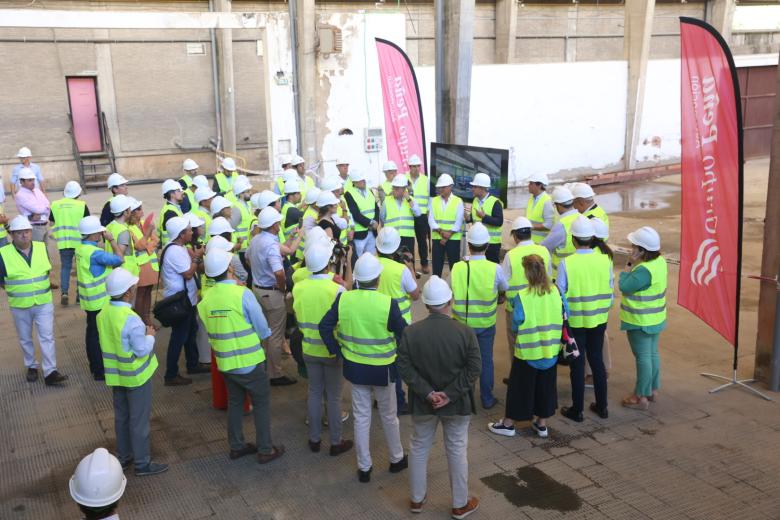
[
  {"x": 536, "y": 273},
  {"x": 603, "y": 247}
]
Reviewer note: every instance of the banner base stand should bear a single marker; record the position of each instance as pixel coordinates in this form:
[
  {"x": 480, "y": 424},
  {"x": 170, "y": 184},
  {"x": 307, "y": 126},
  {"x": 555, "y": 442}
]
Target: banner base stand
[{"x": 735, "y": 382}]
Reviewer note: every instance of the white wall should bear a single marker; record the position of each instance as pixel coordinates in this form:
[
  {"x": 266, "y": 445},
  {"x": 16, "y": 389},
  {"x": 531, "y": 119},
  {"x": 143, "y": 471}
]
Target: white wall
[{"x": 659, "y": 135}]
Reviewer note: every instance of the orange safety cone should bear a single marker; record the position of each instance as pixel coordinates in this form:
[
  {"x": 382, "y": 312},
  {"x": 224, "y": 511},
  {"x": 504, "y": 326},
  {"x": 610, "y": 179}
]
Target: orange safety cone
[{"x": 219, "y": 397}]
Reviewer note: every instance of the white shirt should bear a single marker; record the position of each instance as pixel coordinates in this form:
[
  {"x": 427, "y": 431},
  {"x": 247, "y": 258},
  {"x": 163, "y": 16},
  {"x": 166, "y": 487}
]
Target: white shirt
[{"x": 176, "y": 261}]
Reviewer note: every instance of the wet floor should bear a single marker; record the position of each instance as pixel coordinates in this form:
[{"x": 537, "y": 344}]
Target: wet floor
[{"x": 532, "y": 487}]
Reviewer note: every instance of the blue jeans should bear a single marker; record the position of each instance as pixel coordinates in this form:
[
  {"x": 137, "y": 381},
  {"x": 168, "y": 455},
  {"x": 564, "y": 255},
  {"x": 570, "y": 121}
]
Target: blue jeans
[
  {"x": 66, "y": 266},
  {"x": 485, "y": 338},
  {"x": 183, "y": 334}
]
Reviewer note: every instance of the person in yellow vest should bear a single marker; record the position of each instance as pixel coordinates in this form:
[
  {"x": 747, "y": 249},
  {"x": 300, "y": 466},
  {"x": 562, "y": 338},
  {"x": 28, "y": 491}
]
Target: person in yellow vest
[
  {"x": 585, "y": 203},
  {"x": 117, "y": 185},
  {"x": 127, "y": 349},
  {"x": 487, "y": 209},
  {"x": 309, "y": 218},
  {"x": 342, "y": 165},
  {"x": 385, "y": 188},
  {"x": 369, "y": 325},
  {"x": 586, "y": 279},
  {"x": 286, "y": 176},
  {"x": 24, "y": 272},
  {"x": 445, "y": 218},
  {"x": 145, "y": 245},
  {"x": 515, "y": 274},
  {"x": 236, "y": 326},
  {"x": 242, "y": 216},
  {"x": 421, "y": 189},
  {"x": 200, "y": 181},
  {"x": 399, "y": 211},
  {"x": 278, "y": 183},
  {"x": 203, "y": 198},
  {"x": 291, "y": 214},
  {"x": 3, "y": 223},
  {"x": 120, "y": 230},
  {"x": 312, "y": 297},
  {"x": 223, "y": 180},
  {"x": 558, "y": 242},
  {"x": 342, "y": 218},
  {"x": 173, "y": 194},
  {"x": 599, "y": 245},
  {"x": 187, "y": 182},
  {"x": 477, "y": 285},
  {"x": 64, "y": 217},
  {"x": 93, "y": 264},
  {"x": 643, "y": 312},
  {"x": 538, "y": 316},
  {"x": 365, "y": 215},
  {"x": 306, "y": 183},
  {"x": 540, "y": 210}
]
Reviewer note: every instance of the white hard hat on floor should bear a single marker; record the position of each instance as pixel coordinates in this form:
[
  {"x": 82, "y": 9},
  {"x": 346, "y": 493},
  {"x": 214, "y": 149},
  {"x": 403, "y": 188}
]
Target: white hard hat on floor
[
  {"x": 195, "y": 221},
  {"x": 312, "y": 195},
  {"x": 521, "y": 223},
  {"x": 175, "y": 226},
  {"x": 331, "y": 183},
  {"x": 582, "y": 191},
  {"x": 478, "y": 234},
  {"x": 317, "y": 257},
  {"x": 20, "y": 223},
  {"x": 541, "y": 178},
  {"x": 220, "y": 225},
  {"x": 562, "y": 195},
  {"x": 119, "y": 281},
  {"x": 582, "y": 227},
  {"x": 218, "y": 204},
  {"x": 436, "y": 292},
  {"x": 400, "y": 181},
  {"x": 268, "y": 217},
  {"x": 200, "y": 181},
  {"x": 26, "y": 173},
  {"x": 292, "y": 186},
  {"x": 264, "y": 199},
  {"x": 296, "y": 160},
  {"x": 189, "y": 165},
  {"x": 414, "y": 160},
  {"x": 72, "y": 190},
  {"x": 135, "y": 203},
  {"x": 115, "y": 180},
  {"x": 217, "y": 262},
  {"x": 202, "y": 194},
  {"x": 326, "y": 198},
  {"x": 24, "y": 152},
  {"x": 357, "y": 175},
  {"x": 646, "y": 237},
  {"x": 600, "y": 228},
  {"x": 481, "y": 180},
  {"x": 218, "y": 242},
  {"x": 170, "y": 185},
  {"x": 388, "y": 240},
  {"x": 119, "y": 203},
  {"x": 229, "y": 164},
  {"x": 444, "y": 180},
  {"x": 241, "y": 185},
  {"x": 389, "y": 166},
  {"x": 367, "y": 268},
  {"x": 88, "y": 225},
  {"x": 98, "y": 480}
]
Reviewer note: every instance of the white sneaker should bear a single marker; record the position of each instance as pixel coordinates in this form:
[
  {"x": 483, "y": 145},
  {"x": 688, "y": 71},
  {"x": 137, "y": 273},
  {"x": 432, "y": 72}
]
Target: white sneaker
[
  {"x": 500, "y": 429},
  {"x": 541, "y": 431}
]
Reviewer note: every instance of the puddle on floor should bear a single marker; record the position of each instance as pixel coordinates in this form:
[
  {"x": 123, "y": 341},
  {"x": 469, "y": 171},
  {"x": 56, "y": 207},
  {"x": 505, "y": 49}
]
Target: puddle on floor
[{"x": 533, "y": 488}]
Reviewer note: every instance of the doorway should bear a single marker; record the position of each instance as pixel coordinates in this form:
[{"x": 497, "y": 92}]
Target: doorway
[{"x": 85, "y": 113}]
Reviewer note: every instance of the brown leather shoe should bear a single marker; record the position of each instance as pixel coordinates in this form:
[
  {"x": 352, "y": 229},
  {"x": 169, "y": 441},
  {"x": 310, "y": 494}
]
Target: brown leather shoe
[
  {"x": 417, "y": 507},
  {"x": 265, "y": 458},
  {"x": 178, "y": 381},
  {"x": 338, "y": 449},
  {"x": 248, "y": 449},
  {"x": 462, "y": 512}
]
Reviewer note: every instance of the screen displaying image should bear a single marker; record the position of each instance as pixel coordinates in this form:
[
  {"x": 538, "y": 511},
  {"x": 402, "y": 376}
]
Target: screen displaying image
[{"x": 462, "y": 163}]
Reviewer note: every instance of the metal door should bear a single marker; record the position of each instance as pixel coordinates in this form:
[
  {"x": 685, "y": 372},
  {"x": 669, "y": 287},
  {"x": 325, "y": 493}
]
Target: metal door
[
  {"x": 82, "y": 96},
  {"x": 757, "y": 88}
]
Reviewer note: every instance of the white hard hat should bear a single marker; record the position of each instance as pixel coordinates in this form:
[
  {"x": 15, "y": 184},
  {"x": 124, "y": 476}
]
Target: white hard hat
[
  {"x": 582, "y": 227},
  {"x": 414, "y": 160},
  {"x": 478, "y": 234},
  {"x": 264, "y": 199},
  {"x": 317, "y": 257},
  {"x": 482, "y": 180},
  {"x": 296, "y": 160},
  {"x": 217, "y": 262},
  {"x": 72, "y": 190},
  {"x": 115, "y": 180},
  {"x": 436, "y": 292},
  {"x": 204, "y": 193},
  {"x": 119, "y": 204},
  {"x": 241, "y": 185},
  {"x": 342, "y": 160},
  {"x": 170, "y": 185},
  {"x": 285, "y": 158},
  {"x": 646, "y": 237},
  {"x": 98, "y": 480},
  {"x": 290, "y": 175},
  {"x": 218, "y": 242},
  {"x": 600, "y": 228},
  {"x": 521, "y": 223},
  {"x": 268, "y": 217},
  {"x": 541, "y": 178},
  {"x": 200, "y": 181},
  {"x": 331, "y": 183},
  {"x": 189, "y": 165},
  {"x": 562, "y": 195},
  {"x": 317, "y": 235},
  {"x": 326, "y": 198},
  {"x": 367, "y": 268},
  {"x": 119, "y": 281},
  {"x": 292, "y": 186},
  {"x": 388, "y": 240},
  {"x": 218, "y": 204},
  {"x": 135, "y": 203},
  {"x": 220, "y": 225},
  {"x": 195, "y": 221},
  {"x": 312, "y": 195},
  {"x": 582, "y": 191},
  {"x": 90, "y": 225},
  {"x": 26, "y": 173},
  {"x": 400, "y": 181},
  {"x": 20, "y": 223},
  {"x": 357, "y": 175},
  {"x": 229, "y": 164},
  {"x": 24, "y": 152},
  {"x": 388, "y": 166},
  {"x": 175, "y": 226},
  {"x": 444, "y": 180}
]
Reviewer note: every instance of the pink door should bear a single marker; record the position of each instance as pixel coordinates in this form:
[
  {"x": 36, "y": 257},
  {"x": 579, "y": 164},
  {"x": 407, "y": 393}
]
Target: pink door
[{"x": 82, "y": 94}]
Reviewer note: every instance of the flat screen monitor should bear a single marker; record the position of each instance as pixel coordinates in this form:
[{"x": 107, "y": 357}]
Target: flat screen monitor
[{"x": 462, "y": 163}]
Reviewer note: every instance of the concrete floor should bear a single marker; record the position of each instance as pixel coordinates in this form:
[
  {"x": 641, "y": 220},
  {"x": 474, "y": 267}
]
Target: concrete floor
[{"x": 693, "y": 455}]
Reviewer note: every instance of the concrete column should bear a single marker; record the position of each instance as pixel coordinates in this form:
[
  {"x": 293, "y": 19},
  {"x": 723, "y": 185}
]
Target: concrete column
[
  {"x": 570, "y": 43},
  {"x": 107, "y": 92},
  {"x": 636, "y": 49},
  {"x": 454, "y": 91},
  {"x": 306, "y": 82},
  {"x": 506, "y": 30},
  {"x": 227, "y": 91},
  {"x": 720, "y": 14}
]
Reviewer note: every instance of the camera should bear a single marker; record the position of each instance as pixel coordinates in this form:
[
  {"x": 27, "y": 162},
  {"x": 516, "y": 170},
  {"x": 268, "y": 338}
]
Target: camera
[{"x": 403, "y": 255}]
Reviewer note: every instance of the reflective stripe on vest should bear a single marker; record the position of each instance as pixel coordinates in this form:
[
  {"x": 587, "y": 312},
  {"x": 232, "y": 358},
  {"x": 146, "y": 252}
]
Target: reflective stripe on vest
[
  {"x": 26, "y": 285},
  {"x": 487, "y": 207},
  {"x": 518, "y": 281},
  {"x": 312, "y": 299},
  {"x": 92, "y": 289},
  {"x": 161, "y": 231},
  {"x": 445, "y": 218},
  {"x": 366, "y": 204},
  {"x": 647, "y": 307},
  {"x": 141, "y": 256},
  {"x": 567, "y": 249},
  {"x": 475, "y": 299},
  {"x": 130, "y": 262},
  {"x": 535, "y": 213},
  {"x": 539, "y": 337},
  {"x": 401, "y": 218},
  {"x": 362, "y": 328},
  {"x": 588, "y": 292},
  {"x": 67, "y": 214},
  {"x": 121, "y": 368},
  {"x": 421, "y": 189},
  {"x": 390, "y": 284},
  {"x": 233, "y": 340}
]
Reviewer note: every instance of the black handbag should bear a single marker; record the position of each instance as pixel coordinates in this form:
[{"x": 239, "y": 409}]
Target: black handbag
[{"x": 175, "y": 308}]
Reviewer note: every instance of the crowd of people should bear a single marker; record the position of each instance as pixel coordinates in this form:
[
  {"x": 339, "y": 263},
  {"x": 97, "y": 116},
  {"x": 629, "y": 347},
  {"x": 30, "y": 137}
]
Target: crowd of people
[{"x": 327, "y": 270}]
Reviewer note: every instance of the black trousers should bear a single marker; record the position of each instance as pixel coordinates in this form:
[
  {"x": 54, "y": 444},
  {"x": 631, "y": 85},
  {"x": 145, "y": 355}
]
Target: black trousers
[
  {"x": 92, "y": 340},
  {"x": 183, "y": 335},
  {"x": 531, "y": 392},
  {"x": 591, "y": 344},
  {"x": 423, "y": 234},
  {"x": 451, "y": 249},
  {"x": 492, "y": 252}
]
